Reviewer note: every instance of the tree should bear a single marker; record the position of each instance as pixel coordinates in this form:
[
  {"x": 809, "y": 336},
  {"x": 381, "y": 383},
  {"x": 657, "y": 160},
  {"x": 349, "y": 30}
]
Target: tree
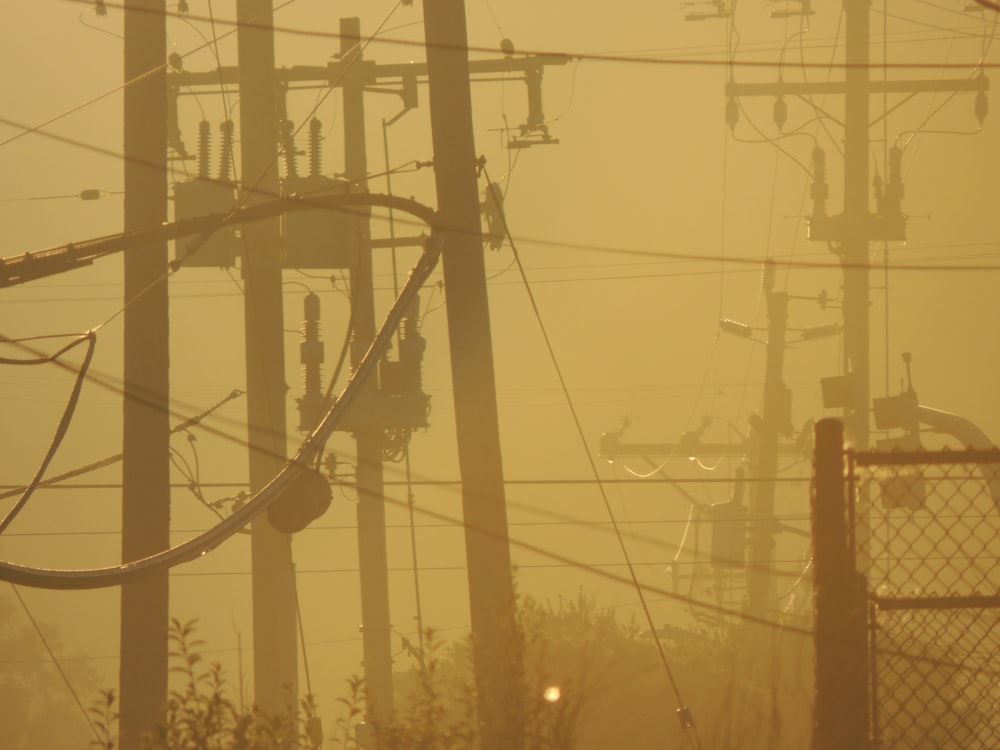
[{"x": 39, "y": 709}]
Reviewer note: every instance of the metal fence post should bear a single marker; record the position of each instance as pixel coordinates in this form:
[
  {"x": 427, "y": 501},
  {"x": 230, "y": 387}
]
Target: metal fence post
[{"x": 841, "y": 676}]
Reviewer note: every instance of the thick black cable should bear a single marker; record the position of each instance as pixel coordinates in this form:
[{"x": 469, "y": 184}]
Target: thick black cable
[
  {"x": 62, "y": 428},
  {"x": 294, "y": 467}
]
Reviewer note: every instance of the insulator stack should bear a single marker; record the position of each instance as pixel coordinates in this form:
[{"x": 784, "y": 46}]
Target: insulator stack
[
  {"x": 315, "y": 149},
  {"x": 226, "y": 155},
  {"x": 204, "y": 148},
  {"x": 736, "y": 328},
  {"x": 411, "y": 319},
  {"x": 981, "y": 107},
  {"x": 780, "y": 113},
  {"x": 732, "y": 113},
  {"x": 288, "y": 148},
  {"x": 821, "y": 330},
  {"x": 403, "y": 377},
  {"x": 311, "y": 351},
  {"x": 819, "y": 190},
  {"x": 894, "y": 187},
  {"x": 767, "y": 276},
  {"x": 879, "y": 191}
]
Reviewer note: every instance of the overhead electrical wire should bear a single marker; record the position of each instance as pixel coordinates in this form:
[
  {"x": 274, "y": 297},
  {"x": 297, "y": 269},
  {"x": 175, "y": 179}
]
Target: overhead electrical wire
[
  {"x": 584, "y": 56},
  {"x": 37, "y": 128},
  {"x": 682, "y": 709},
  {"x": 259, "y": 501},
  {"x": 638, "y": 253},
  {"x": 838, "y": 265},
  {"x": 728, "y": 63}
]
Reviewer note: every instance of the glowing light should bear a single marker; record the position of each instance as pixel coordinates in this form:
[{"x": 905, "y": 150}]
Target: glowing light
[{"x": 552, "y": 693}]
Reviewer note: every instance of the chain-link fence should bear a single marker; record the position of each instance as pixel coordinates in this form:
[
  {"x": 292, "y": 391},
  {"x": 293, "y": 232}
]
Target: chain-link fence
[{"x": 926, "y": 535}]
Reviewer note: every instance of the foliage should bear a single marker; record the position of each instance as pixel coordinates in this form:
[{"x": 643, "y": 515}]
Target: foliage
[
  {"x": 202, "y": 715},
  {"x": 37, "y": 707},
  {"x": 103, "y": 718},
  {"x": 614, "y": 690},
  {"x": 589, "y": 682}
]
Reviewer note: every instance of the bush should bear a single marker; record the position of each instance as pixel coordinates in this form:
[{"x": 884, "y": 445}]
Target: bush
[{"x": 589, "y": 683}]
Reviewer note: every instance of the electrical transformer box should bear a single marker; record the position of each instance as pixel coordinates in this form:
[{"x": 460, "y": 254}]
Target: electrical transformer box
[
  {"x": 204, "y": 197},
  {"x": 321, "y": 237}
]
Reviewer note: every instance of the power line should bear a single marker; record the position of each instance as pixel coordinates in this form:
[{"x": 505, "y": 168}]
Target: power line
[
  {"x": 682, "y": 709},
  {"x": 728, "y": 63},
  {"x": 579, "y": 55},
  {"x": 627, "y": 252}
]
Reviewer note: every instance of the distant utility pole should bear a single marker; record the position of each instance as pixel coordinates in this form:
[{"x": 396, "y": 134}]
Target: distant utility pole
[
  {"x": 850, "y": 232},
  {"x": 274, "y": 610},
  {"x": 145, "y": 417},
  {"x": 764, "y": 459},
  {"x": 853, "y": 244},
  {"x": 491, "y": 589}
]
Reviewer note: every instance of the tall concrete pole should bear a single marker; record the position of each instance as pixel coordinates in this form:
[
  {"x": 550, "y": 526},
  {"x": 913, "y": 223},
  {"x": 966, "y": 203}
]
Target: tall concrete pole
[
  {"x": 854, "y": 247},
  {"x": 274, "y": 634},
  {"x": 491, "y": 590},
  {"x": 377, "y": 629},
  {"x": 145, "y": 418},
  {"x": 764, "y": 466}
]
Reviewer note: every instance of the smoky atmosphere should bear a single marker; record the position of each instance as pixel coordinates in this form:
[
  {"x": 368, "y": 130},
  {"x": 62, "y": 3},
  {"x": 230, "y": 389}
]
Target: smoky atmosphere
[{"x": 500, "y": 375}]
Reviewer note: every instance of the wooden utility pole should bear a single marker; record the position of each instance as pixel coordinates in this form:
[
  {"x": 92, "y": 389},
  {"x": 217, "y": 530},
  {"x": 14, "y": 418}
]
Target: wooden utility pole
[
  {"x": 145, "y": 417},
  {"x": 274, "y": 635},
  {"x": 491, "y": 590},
  {"x": 854, "y": 244},
  {"x": 851, "y": 232},
  {"x": 840, "y": 597},
  {"x": 764, "y": 461},
  {"x": 377, "y": 629}
]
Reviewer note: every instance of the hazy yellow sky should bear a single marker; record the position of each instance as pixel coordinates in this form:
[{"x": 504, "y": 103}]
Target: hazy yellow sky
[{"x": 638, "y": 231}]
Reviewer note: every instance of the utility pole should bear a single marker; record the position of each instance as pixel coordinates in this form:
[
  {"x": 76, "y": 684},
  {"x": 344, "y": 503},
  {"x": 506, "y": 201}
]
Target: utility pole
[
  {"x": 763, "y": 449},
  {"x": 854, "y": 245},
  {"x": 145, "y": 417},
  {"x": 840, "y": 601},
  {"x": 482, "y": 461},
  {"x": 273, "y": 579},
  {"x": 491, "y": 589},
  {"x": 377, "y": 629},
  {"x": 764, "y": 461},
  {"x": 850, "y": 232}
]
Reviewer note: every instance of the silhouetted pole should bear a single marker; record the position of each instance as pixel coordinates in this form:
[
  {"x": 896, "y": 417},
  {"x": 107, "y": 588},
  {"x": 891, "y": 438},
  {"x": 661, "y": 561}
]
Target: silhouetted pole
[
  {"x": 274, "y": 635},
  {"x": 765, "y": 461},
  {"x": 841, "y": 681},
  {"x": 854, "y": 247},
  {"x": 491, "y": 591},
  {"x": 145, "y": 417},
  {"x": 377, "y": 629}
]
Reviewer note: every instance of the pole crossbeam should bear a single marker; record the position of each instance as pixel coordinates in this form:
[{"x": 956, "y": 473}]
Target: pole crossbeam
[
  {"x": 806, "y": 88},
  {"x": 368, "y": 72}
]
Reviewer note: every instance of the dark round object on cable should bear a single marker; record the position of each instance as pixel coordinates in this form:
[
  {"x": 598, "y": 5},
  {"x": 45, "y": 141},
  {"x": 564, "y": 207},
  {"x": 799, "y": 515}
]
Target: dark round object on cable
[{"x": 306, "y": 499}]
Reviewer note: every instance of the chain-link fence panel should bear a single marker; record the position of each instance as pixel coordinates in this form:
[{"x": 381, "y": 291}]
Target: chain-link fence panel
[
  {"x": 936, "y": 678},
  {"x": 927, "y": 537}
]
